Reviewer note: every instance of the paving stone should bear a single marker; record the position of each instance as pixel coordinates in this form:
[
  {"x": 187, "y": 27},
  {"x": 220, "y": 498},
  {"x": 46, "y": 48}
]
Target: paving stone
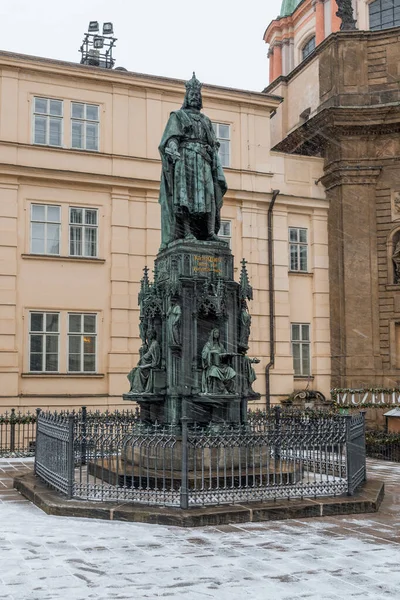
[{"x": 45, "y": 557}]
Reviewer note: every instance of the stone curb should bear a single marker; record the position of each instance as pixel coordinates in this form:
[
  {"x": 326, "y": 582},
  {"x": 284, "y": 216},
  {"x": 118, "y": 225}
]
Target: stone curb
[{"x": 367, "y": 500}]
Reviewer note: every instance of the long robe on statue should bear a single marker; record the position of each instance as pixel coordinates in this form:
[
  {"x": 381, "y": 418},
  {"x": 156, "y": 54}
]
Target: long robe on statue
[{"x": 195, "y": 181}]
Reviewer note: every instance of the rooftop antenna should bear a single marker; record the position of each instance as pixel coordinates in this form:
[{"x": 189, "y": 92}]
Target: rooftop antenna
[{"x": 97, "y": 48}]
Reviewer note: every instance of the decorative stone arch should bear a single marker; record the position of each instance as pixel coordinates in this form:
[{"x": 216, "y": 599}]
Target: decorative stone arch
[
  {"x": 307, "y": 35},
  {"x": 393, "y": 255}
]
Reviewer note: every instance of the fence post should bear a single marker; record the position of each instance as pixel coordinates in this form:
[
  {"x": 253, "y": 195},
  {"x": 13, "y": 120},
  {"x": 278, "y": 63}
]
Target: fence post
[
  {"x": 184, "y": 467},
  {"x": 348, "y": 454},
  {"x": 70, "y": 457},
  {"x": 364, "y": 414},
  {"x": 277, "y": 449},
  {"x": 38, "y": 410},
  {"x": 83, "y": 436},
  {"x": 12, "y": 430}
]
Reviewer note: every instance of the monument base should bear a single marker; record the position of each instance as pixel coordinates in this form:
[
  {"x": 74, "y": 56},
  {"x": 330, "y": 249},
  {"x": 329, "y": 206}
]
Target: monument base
[{"x": 200, "y": 408}]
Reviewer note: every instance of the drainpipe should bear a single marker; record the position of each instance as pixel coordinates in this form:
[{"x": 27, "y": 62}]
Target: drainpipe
[{"x": 271, "y": 293}]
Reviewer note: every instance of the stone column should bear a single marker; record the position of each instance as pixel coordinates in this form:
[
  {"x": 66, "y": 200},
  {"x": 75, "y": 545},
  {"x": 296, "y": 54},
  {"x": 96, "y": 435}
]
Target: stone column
[
  {"x": 271, "y": 64},
  {"x": 353, "y": 275},
  {"x": 286, "y": 56},
  {"x": 277, "y": 60},
  {"x": 320, "y": 22}
]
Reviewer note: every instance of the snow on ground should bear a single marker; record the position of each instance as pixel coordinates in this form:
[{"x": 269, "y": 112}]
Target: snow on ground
[{"x": 50, "y": 558}]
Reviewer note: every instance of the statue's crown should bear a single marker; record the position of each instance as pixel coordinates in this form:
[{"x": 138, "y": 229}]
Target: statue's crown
[{"x": 193, "y": 83}]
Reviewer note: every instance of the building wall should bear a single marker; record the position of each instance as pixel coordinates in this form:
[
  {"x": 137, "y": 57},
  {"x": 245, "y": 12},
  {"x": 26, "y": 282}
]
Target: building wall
[
  {"x": 355, "y": 127},
  {"x": 121, "y": 180}
]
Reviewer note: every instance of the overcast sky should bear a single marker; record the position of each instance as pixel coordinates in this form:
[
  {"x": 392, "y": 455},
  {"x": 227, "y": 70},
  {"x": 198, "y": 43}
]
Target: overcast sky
[{"x": 222, "y": 40}]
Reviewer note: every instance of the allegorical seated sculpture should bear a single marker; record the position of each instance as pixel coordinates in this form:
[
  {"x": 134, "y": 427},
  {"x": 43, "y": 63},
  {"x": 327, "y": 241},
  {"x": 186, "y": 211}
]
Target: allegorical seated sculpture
[
  {"x": 141, "y": 377},
  {"x": 192, "y": 182},
  {"x": 218, "y": 376}
]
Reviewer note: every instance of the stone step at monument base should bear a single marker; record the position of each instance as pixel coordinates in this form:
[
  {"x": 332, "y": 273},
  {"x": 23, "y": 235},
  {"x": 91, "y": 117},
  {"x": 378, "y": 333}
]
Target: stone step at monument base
[
  {"x": 206, "y": 458},
  {"x": 118, "y": 472}
]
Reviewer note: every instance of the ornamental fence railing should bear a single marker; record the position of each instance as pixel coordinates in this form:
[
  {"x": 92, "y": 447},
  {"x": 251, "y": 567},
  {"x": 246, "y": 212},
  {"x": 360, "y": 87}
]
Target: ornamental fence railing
[
  {"x": 383, "y": 446},
  {"x": 17, "y": 434},
  {"x": 275, "y": 455}
]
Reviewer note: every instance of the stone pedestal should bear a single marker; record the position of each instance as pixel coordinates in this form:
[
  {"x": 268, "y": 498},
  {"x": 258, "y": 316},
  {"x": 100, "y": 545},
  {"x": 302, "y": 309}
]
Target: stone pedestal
[{"x": 194, "y": 293}]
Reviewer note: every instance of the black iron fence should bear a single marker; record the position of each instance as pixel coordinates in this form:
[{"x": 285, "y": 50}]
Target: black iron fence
[
  {"x": 383, "y": 446},
  {"x": 17, "y": 434},
  {"x": 276, "y": 455}
]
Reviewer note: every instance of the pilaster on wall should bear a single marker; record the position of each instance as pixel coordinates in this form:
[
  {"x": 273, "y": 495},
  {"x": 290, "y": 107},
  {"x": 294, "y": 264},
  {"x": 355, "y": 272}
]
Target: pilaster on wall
[
  {"x": 120, "y": 279},
  {"x": 319, "y": 21},
  {"x": 277, "y": 59},
  {"x": 353, "y": 276},
  {"x": 254, "y": 250},
  {"x": 8, "y": 288},
  {"x": 282, "y": 373},
  {"x": 321, "y": 349},
  {"x": 271, "y": 65}
]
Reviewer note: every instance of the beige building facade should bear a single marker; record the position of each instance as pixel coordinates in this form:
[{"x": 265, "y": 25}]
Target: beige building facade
[{"x": 80, "y": 219}]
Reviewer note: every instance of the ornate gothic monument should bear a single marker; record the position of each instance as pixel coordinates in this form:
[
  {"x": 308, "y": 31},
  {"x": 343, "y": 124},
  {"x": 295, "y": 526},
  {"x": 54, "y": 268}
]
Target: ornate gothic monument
[{"x": 194, "y": 319}]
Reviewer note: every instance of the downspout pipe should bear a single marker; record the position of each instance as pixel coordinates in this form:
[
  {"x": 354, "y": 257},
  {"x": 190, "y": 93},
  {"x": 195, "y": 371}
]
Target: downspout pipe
[{"x": 271, "y": 295}]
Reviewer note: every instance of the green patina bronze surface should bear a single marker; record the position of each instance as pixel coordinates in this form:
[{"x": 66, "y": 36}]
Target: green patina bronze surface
[
  {"x": 192, "y": 182},
  {"x": 194, "y": 318}
]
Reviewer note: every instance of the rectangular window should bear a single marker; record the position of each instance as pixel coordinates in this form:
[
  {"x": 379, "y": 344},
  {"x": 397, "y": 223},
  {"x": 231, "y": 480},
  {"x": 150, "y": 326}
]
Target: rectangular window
[
  {"x": 85, "y": 126},
  {"x": 83, "y": 232},
  {"x": 384, "y": 14},
  {"x": 43, "y": 341},
  {"x": 45, "y": 229},
  {"x": 225, "y": 232},
  {"x": 82, "y": 334},
  {"x": 223, "y": 134},
  {"x": 47, "y": 121},
  {"x": 298, "y": 249},
  {"x": 301, "y": 348}
]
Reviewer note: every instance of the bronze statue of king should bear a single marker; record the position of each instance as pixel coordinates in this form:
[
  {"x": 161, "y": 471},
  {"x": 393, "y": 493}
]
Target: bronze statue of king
[{"x": 192, "y": 182}]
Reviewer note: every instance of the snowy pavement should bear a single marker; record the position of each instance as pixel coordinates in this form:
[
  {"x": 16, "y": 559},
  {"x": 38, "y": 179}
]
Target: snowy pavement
[{"x": 50, "y": 558}]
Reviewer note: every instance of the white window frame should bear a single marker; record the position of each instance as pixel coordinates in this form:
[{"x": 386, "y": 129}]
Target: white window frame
[
  {"x": 297, "y": 245},
  {"x": 46, "y": 222},
  {"x": 83, "y": 226},
  {"x": 82, "y": 335},
  {"x": 85, "y": 121},
  {"x": 226, "y": 237},
  {"x": 44, "y": 334},
  {"x": 48, "y": 116},
  {"x": 216, "y": 127},
  {"x": 301, "y": 343}
]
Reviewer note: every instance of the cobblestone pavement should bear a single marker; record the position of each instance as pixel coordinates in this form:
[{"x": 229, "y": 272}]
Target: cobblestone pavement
[{"x": 50, "y": 558}]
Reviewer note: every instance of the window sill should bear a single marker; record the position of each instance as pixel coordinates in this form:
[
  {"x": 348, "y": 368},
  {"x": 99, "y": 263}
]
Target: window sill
[
  {"x": 63, "y": 375},
  {"x": 84, "y": 259},
  {"x": 303, "y": 377},
  {"x": 393, "y": 287},
  {"x": 302, "y": 273},
  {"x": 54, "y": 147}
]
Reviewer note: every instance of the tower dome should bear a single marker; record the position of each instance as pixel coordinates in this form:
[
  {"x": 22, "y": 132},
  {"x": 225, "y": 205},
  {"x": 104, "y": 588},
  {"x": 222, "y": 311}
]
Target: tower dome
[{"x": 288, "y": 6}]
